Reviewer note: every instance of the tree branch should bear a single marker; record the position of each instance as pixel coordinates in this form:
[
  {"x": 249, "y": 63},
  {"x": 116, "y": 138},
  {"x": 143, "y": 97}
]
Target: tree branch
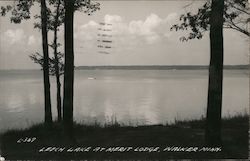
[{"x": 239, "y": 9}]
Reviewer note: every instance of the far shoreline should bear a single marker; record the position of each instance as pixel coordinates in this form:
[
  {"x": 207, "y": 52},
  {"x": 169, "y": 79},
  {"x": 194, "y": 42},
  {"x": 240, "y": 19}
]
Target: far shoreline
[{"x": 146, "y": 67}]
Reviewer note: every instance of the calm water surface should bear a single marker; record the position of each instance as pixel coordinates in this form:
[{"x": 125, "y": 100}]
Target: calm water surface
[{"x": 130, "y": 96}]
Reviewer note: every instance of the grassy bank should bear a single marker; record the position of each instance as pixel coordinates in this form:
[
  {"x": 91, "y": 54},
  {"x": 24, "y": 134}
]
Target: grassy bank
[{"x": 183, "y": 139}]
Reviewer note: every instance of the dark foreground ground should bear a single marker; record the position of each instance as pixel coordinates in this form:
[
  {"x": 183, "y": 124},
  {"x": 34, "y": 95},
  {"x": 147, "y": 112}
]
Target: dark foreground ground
[{"x": 183, "y": 140}]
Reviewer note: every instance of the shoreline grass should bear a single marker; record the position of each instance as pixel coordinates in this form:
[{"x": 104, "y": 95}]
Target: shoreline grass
[{"x": 182, "y": 133}]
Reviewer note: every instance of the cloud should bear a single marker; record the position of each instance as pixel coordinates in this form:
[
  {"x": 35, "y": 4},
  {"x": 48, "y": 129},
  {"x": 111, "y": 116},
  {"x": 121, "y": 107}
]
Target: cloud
[
  {"x": 112, "y": 19},
  {"x": 145, "y": 27},
  {"x": 147, "y": 31},
  {"x": 15, "y": 36},
  {"x": 151, "y": 29},
  {"x": 86, "y": 36},
  {"x": 171, "y": 17},
  {"x": 31, "y": 40},
  {"x": 87, "y": 31},
  {"x": 140, "y": 29},
  {"x": 89, "y": 24}
]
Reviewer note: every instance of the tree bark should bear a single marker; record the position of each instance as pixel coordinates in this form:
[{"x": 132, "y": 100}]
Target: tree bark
[
  {"x": 57, "y": 70},
  {"x": 68, "y": 69},
  {"x": 48, "y": 114},
  {"x": 214, "y": 104}
]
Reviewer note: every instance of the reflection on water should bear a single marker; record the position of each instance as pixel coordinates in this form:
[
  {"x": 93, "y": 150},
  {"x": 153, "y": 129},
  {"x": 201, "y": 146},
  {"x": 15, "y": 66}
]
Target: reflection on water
[{"x": 128, "y": 96}]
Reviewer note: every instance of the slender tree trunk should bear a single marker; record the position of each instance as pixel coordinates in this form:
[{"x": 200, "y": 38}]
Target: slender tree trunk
[
  {"x": 48, "y": 115},
  {"x": 57, "y": 70},
  {"x": 68, "y": 69},
  {"x": 214, "y": 105},
  {"x": 59, "y": 100}
]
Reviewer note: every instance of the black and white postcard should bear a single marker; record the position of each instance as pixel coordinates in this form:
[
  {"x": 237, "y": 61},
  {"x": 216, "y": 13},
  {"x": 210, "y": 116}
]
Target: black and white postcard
[{"x": 124, "y": 79}]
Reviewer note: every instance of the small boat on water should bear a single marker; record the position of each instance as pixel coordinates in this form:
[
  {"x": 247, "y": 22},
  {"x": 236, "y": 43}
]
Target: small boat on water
[{"x": 91, "y": 78}]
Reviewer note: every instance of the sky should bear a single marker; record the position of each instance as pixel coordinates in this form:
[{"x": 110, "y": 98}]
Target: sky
[{"x": 140, "y": 36}]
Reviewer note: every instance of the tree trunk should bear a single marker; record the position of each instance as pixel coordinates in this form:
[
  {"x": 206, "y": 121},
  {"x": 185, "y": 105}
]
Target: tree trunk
[
  {"x": 57, "y": 70},
  {"x": 48, "y": 115},
  {"x": 68, "y": 69},
  {"x": 214, "y": 104},
  {"x": 59, "y": 100}
]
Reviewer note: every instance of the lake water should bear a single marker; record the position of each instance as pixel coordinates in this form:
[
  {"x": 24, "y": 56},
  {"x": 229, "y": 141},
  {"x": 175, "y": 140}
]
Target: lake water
[{"x": 132, "y": 97}]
